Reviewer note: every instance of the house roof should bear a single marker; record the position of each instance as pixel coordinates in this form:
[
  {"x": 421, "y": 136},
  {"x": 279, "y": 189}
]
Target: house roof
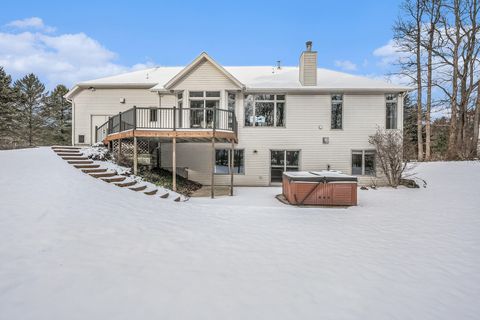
[{"x": 250, "y": 78}]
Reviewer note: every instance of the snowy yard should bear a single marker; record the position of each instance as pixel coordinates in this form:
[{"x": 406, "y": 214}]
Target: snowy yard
[{"x": 74, "y": 247}]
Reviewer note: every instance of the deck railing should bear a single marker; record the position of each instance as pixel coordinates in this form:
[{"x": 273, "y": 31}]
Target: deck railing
[{"x": 168, "y": 119}]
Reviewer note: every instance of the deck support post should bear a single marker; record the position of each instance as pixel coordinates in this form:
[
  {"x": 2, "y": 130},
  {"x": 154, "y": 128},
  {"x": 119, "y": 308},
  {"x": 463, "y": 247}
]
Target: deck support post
[
  {"x": 119, "y": 151},
  {"x": 231, "y": 165},
  {"x": 135, "y": 156},
  {"x": 174, "y": 163},
  {"x": 212, "y": 193}
]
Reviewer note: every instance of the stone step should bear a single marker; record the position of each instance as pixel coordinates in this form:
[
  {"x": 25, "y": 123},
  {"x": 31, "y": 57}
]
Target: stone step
[
  {"x": 152, "y": 192},
  {"x": 87, "y": 166},
  {"x": 140, "y": 188},
  {"x": 80, "y": 162},
  {"x": 98, "y": 170},
  {"x": 70, "y": 154},
  {"x": 75, "y": 158},
  {"x": 103, "y": 174},
  {"x": 66, "y": 150},
  {"x": 165, "y": 195},
  {"x": 114, "y": 179},
  {"x": 66, "y": 147},
  {"x": 126, "y": 184}
]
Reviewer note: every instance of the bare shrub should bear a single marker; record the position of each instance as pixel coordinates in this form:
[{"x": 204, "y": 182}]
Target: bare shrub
[{"x": 389, "y": 148}]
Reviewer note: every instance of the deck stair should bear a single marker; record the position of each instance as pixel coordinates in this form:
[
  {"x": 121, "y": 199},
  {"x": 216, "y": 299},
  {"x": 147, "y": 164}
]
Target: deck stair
[{"x": 74, "y": 156}]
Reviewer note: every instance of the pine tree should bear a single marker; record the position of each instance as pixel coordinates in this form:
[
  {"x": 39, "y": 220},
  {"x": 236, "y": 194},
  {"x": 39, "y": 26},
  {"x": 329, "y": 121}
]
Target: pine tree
[
  {"x": 57, "y": 117},
  {"x": 30, "y": 105},
  {"x": 7, "y": 110}
]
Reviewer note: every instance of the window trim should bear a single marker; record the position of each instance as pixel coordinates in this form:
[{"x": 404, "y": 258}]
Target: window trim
[
  {"x": 229, "y": 151},
  {"x": 352, "y": 151},
  {"x": 331, "y": 110},
  {"x": 274, "y": 101}
]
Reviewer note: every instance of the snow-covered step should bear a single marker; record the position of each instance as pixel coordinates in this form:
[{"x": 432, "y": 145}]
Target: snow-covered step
[
  {"x": 60, "y": 152},
  {"x": 165, "y": 195},
  {"x": 124, "y": 184},
  {"x": 75, "y": 158},
  {"x": 103, "y": 174},
  {"x": 151, "y": 192},
  {"x": 65, "y": 148},
  {"x": 139, "y": 188},
  {"x": 95, "y": 170},
  {"x": 87, "y": 166},
  {"x": 114, "y": 179},
  {"x": 80, "y": 161}
]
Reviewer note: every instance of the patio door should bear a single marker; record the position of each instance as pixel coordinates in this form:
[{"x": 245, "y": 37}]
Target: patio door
[{"x": 281, "y": 161}]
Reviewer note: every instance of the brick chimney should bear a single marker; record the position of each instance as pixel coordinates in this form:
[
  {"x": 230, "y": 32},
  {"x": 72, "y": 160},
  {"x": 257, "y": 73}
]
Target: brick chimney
[{"x": 308, "y": 66}]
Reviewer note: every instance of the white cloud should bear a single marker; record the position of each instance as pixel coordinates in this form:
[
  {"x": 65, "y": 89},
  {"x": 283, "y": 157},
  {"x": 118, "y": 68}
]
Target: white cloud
[
  {"x": 346, "y": 65},
  {"x": 35, "y": 23},
  {"x": 388, "y": 54},
  {"x": 64, "y": 58}
]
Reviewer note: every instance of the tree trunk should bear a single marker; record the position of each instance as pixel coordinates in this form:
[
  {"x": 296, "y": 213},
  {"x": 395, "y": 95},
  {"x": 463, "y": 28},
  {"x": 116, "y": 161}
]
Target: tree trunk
[
  {"x": 418, "y": 46},
  {"x": 476, "y": 124}
]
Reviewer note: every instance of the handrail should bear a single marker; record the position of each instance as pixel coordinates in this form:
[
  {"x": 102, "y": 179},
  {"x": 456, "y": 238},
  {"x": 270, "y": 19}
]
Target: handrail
[{"x": 169, "y": 118}]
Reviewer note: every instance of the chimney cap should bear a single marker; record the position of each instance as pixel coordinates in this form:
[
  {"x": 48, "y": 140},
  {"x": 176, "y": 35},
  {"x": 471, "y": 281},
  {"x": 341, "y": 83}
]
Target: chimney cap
[{"x": 309, "y": 45}]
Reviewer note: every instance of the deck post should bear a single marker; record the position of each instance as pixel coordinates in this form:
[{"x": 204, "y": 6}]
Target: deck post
[
  {"x": 212, "y": 193},
  {"x": 232, "y": 165},
  {"x": 174, "y": 163},
  {"x": 119, "y": 151},
  {"x": 135, "y": 155}
]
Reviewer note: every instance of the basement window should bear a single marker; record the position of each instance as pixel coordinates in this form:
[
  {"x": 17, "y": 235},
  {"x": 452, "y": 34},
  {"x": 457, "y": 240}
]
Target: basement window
[
  {"x": 81, "y": 138},
  {"x": 363, "y": 163}
]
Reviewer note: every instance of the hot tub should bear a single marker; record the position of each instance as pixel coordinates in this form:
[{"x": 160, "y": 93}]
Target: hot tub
[{"x": 325, "y": 188}]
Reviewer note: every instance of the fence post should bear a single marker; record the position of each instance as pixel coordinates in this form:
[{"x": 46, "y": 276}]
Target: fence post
[{"x": 134, "y": 117}]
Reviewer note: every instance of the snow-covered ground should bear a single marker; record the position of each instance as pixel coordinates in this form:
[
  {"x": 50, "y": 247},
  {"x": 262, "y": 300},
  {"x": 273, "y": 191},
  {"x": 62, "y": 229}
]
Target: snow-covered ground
[{"x": 75, "y": 247}]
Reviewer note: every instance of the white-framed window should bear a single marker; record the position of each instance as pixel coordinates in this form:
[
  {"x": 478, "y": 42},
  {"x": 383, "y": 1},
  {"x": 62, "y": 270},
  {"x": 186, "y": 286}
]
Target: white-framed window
[
  {"x": 231, "y": 104},
  {"x": 201, "y": 105},
  {"x": 391, "y": 101},
  {"x": 222, "y": 160},
  {"x": 363, "y": 163},
  {"x": 265, "y": 110},
  {"x": 180, "y": 109},
  {"x": 281, "y": 161},
  {"x": 337, "y": 111}
]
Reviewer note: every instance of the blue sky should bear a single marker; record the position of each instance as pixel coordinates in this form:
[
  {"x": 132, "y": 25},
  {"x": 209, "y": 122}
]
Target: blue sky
[{"x": 72, "y": 41}]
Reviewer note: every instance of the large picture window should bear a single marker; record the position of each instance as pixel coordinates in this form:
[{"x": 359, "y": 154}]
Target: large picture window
[
  {"x": 391, "y": 105},
  {"x": 337, "y": 111},
  {"x": 202, "y": 104},
  {"x": 222, "y": 160},
  {"x": 281, "y": 161},
  {"x": 265, "y": 110},
  {"x": 363, "y": 163}
]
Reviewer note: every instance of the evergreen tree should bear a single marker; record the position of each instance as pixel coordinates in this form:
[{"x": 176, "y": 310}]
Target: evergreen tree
[
  {"x": 57, "y": 117},
  {"x": 30, "y": 104},
  {"x": 7, "y": 111},
  {"x": 410, "y": 129}
]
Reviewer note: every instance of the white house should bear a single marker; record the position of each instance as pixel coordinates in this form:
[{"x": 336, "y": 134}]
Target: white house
[{"x": 276, "y": 118}]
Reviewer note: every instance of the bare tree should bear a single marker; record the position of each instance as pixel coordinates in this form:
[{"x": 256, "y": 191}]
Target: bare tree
[
  {"x": 432, "y": 8},
  {"x": 389, "y": 154},
  {"x": 408, "y": 38}
]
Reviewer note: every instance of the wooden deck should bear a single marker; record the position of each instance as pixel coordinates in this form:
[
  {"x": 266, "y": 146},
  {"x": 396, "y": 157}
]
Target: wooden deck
[{"x": 180, "y": 135}]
